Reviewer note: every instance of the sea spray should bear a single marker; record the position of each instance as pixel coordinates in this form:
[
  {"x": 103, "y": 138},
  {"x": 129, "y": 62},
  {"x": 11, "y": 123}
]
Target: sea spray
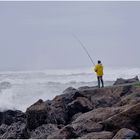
[{"x": 26, "y": 87}]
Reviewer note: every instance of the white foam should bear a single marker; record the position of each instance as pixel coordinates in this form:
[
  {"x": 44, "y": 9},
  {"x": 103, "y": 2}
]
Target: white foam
[{"x": 29, "y": 86}]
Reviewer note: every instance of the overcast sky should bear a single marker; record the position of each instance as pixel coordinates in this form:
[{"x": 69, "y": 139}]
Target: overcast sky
[{"x": 38, "y": 35}]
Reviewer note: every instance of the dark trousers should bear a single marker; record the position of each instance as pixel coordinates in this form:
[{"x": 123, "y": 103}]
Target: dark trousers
[{"x": 100, "y": 80}]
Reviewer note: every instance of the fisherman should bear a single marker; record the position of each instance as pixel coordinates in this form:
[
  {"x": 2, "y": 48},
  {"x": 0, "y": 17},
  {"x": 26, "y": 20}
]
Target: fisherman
[{"x": 99, "y": 72}]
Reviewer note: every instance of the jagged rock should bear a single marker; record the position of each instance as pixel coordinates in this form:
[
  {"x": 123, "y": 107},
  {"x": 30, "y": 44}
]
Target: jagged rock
[
  {"x": 16, "y": 131},
  {"x": 65, "y": 133},
  {"x": 81, "y": 104},
  {"x": 60, "y": 103},
  {"x": 70, "y": 94},
  {"x": 8, "y": 117},
  {"x": 98, "y": 135},
  {"x": 43, "y": 131},
  {"x": 125, "y": 133},
  {"x": 128, "y": 118},
  {"x": 38, "y": 114},
  {"x": 54, "y": 112},
  {"x": 125, "y": 81}
]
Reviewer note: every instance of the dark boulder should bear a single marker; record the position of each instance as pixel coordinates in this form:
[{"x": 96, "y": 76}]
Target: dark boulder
[
  {"x": 81, "y": 104},
  {"x": 10, "y": 116},
  {"x": 59, "y": 105},
  {"x": 54, "y": 111},
  {"x": 125, "y": 81},
  {"x": 38, "y": 114}
]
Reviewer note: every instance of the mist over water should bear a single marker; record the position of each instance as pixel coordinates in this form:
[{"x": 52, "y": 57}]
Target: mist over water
[{"x": 20, "y": 89}]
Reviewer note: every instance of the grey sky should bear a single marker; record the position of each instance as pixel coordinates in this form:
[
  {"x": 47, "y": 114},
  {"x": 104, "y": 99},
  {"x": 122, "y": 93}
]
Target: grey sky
[{"x": 37, "y": 35}]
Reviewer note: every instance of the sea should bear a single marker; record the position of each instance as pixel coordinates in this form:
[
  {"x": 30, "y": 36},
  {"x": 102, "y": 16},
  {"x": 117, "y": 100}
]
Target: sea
[{"x": 20, "y": 89}]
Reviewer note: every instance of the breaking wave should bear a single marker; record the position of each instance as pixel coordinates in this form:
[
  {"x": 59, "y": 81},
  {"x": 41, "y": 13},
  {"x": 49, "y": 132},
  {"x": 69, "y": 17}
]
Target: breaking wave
[{"x": 18, "y": 90}]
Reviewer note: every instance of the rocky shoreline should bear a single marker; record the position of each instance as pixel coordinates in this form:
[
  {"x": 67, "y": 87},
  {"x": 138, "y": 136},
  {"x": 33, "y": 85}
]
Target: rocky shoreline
[{"x": 84, "y": 113}]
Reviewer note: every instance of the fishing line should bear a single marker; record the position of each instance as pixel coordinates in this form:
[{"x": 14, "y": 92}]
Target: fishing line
[{"x": 84, "y": 48}]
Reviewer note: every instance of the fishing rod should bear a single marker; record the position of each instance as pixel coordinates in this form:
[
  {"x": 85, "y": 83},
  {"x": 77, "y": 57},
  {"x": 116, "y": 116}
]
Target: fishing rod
[{"x": 84, "y": 48}]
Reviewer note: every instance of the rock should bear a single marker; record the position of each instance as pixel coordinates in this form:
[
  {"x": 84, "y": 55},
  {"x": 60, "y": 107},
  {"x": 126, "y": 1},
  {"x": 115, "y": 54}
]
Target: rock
[
  {"x": 125, "y": 81},
  {"x": 65, "y": 133},
  {"x": 8, "y": 117},
  {"x": 60, "y": 104},
  {"x": 1, "y": 117},
  {"x": 104, "y": 97},
  {"x": 87, "y": 88},
  {"x": 81, "y": 104},
  {"x": 70, "y": 94},
  {"x": 16, "y": 131},
  {"x": 38, "y": 114},
  {"x": 3, "y": 129},
  {"x": 59, "y": 110},
  {"x": 87, "y": 127},
  {"x": 125, "y": 133},
  {"x": 128, "y": 118},
  {"x": 54, "y": 112},
  {"x": 132, "y": 97},
  {"x": 98, "y": 135},
  {"x": 43, "y": 131},
  {"x": 111, "y": 96},
  {"x": 89, "y": 122},
  {"x": 74, "y": 117}
]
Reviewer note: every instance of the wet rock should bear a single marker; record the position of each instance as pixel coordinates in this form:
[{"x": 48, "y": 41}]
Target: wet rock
[
  {"x": 125, "y": 133},
  {"x": 81, "y": 104},
  {"x": 59, "y": 106},
  {"x": 16, "y": 131},
  {"x": 125, "y": 81},
  {"x": 8, "y": 117},
  {"x": 3, "y": 129},
  {"x": 98, "y": 135},
  {"x": 43, "y": 131},
  {"x": 38, "y": 114},
  {"x": 65, "y": 133}
]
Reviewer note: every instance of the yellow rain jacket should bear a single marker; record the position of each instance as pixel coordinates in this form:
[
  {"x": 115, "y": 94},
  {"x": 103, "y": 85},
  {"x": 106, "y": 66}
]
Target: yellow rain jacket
[{"x": 99, "y": 69}]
